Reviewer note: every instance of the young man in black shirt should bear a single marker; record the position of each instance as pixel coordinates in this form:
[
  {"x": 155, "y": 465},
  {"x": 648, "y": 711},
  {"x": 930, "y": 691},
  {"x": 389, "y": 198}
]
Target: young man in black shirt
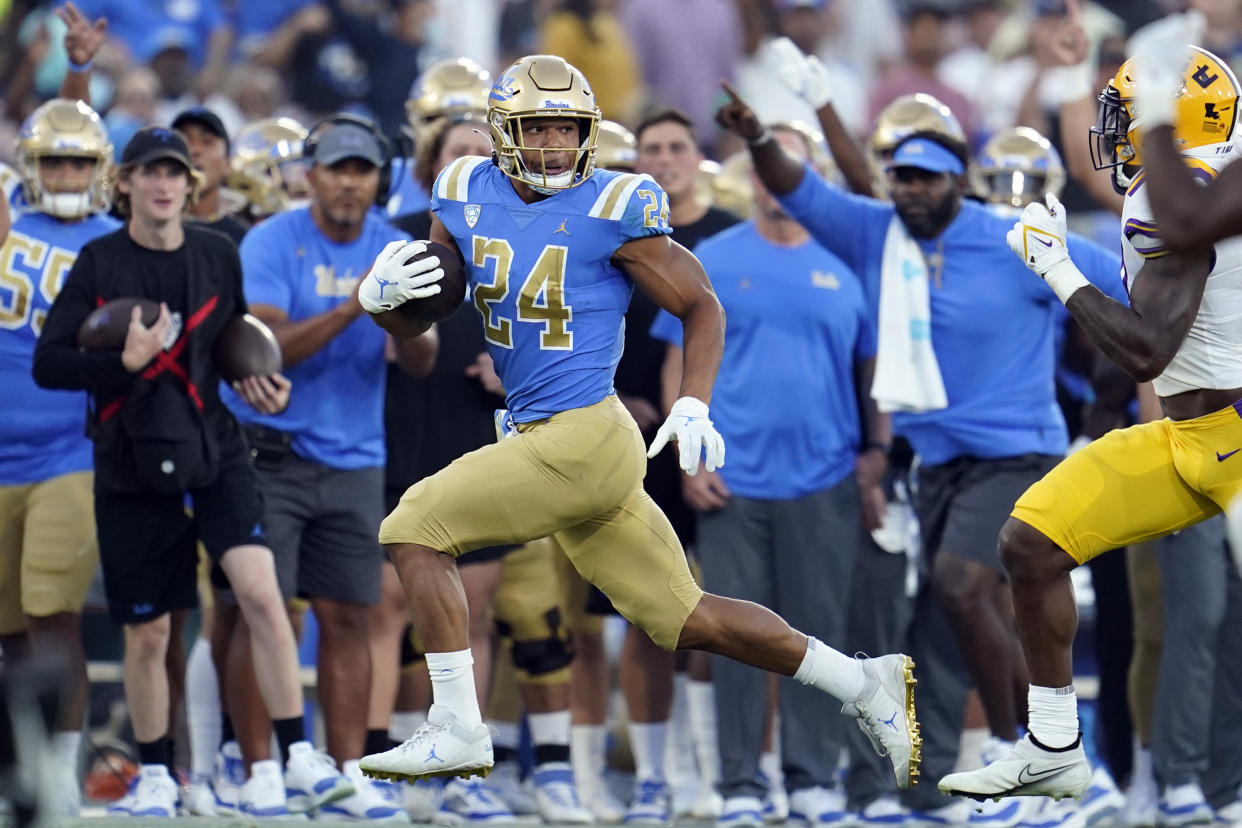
[{"x": 160, "y": 433}]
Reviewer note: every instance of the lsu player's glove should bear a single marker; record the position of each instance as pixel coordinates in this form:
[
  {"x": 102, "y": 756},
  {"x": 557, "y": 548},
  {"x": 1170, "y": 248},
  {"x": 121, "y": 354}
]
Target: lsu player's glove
[
  {"x": 805, "y": 75},
  {"x": 1039, "y": 239},
  {"x": 400, "y": 273},
  {"x": 689, "y": 425},
  {"x": 1160, "y": 55}
]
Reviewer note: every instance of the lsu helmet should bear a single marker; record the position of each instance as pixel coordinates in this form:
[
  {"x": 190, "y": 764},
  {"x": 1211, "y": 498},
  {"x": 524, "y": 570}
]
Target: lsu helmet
[
  {"x": 542, "y": 86},
  {"x": 457, "y": 87},
  {"x": 1206, "y": 113},
  {"x": 617, "y": 150},
  {"x": 903, "y": 116},
  {"x": 267, "y": 165},
  {"x": 63, "y": 127},
  {"x": 1016, "y": 167}
]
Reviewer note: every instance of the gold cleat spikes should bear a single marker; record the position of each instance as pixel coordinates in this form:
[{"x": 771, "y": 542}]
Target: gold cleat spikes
[
  {"x": 463, "y": 773},
  {"x": 912, "y": 722}
]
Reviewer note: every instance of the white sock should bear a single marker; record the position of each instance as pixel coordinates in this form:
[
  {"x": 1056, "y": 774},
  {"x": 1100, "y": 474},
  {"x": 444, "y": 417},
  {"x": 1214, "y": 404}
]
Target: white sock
[
  {"x": 549, "y": 728},
  {"x": 452, "y": 686},
  {"x": 507, "y": 735},
  {"x": 402, "y": 724},
  {"x": 66, "y": 744},
  {"x": 202, "y": 708},
  {"x": 701, "y": 700},
  {"x": 647, "y": 744},
  {"x": 770, "y": 767},
  {"x": 587, "y": 744},
  {"x": 679, "y": 763},
  {"x": 835, "y": 673},
  {"x": 1052, "y": 715}
]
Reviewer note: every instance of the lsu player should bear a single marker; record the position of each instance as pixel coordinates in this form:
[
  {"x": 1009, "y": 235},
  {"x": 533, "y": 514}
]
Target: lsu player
[
  {"x": 1145, "y": 481},
  {"x": 48, "y": 553},
  {"x": 553, "y": 249}
]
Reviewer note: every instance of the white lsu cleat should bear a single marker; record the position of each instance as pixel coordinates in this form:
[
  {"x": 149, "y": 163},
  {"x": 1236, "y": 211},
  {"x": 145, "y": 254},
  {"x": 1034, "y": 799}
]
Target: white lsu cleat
[
  {"x": 885, "y": 714},
  {"x": 1026, "y": 770},
  {"x": 440, "y": 747}
]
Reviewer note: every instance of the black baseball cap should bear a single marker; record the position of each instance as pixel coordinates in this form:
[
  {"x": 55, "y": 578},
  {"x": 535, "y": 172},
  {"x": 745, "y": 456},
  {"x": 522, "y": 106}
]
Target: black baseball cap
[
  {"x": 205, "y": 117},
  {"x": 156, "y": 143}
]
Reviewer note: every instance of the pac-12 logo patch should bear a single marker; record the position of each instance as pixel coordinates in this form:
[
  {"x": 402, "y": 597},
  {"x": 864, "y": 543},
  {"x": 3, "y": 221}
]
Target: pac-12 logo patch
[{"x": 472, "y": 215}]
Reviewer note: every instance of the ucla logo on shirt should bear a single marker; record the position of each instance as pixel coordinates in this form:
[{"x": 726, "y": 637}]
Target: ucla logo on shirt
[
  {"x": 327, "y": 283},
  {"x": 820, "y": 279},
  {"x": 472, "y": 212}
]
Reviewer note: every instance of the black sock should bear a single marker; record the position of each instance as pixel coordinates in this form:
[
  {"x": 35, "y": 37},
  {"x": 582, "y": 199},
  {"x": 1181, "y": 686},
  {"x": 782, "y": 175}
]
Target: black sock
[
  {"x": 226, "y": 729},
  {"x": 378, "y": 741},
  {"x": 503, "y": 754},
  {"x": 551, "y": 753},
  {"x": 288, "y": 731},
  {"x": 158, "y": 752}
]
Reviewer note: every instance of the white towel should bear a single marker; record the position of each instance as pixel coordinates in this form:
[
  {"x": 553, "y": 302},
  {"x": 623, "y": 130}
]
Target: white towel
[{"x": 907, "y": 376}]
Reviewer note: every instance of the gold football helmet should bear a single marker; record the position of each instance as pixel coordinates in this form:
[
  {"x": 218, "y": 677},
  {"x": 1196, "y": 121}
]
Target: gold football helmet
[
  {"x": 457, "y": 87},
  {"x": 618, "y": 150},
  {"x": 542, "y": 86},
  {"x": 732, "y": 189},
  {"x": 1016, "y": 167},
  {"x": 65, "y": 128},
  {"x": 1206, "y": 113},
  {"x": 906, "y": 115},
  {"x": 267, "y": 165}
]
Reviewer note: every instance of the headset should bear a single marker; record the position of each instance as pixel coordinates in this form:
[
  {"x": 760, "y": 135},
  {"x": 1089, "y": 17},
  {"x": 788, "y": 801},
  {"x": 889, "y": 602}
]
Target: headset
[{"x": 384, "y": 191}]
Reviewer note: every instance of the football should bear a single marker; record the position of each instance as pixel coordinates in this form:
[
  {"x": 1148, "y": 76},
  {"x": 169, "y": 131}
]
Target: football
[
  {"x": 106, "y": 327},
  {"x": 246, "y": 348},
  {"x": 452, "y": 288}
]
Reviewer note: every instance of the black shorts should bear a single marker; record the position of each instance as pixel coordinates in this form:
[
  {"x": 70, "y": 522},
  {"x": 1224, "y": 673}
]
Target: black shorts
[
  {"x": 148, "y": 542},
  {"x": 962, "y": 504}
]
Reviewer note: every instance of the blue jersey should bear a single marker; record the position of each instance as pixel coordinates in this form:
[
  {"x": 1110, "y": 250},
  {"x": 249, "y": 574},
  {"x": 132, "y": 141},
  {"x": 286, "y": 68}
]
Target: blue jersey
[
  {"x": 784, "y": 399},
  {"x": 992, "y": 321},
  {"x": 42, "y": 432},
  {"x": 336, "y": 410},
  {"x": 541, "y": 276}
]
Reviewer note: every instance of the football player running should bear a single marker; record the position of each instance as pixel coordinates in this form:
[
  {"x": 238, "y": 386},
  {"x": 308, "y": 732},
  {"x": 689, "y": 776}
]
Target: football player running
[
  {"x": 1146, "y": 481},
  {"x": 552, "y": 247}
]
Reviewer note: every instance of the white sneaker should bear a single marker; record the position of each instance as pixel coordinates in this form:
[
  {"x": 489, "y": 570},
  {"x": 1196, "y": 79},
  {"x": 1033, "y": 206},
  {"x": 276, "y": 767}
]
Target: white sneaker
[
  {"x": 504, "y": 782},
  {"x": 557, "y": 795},
  {"x": 956, "y": 813},
  {"x": 1184, "y": 805},
  {"x": 819, "y": 806},
  {"x": 156, "y": 793},
  {"x": 440, "y": 747},
  {"x": 1102, "y": 800},
  {"x": 230, "y": 776},
  {"x": 122, "y": 806},
  {"x": 1027, "y": 770},
  {"x": 468, "y": 801},
  {"x": 604, "y": 807},
  {"x": 1008, "y": 812},
  {"x": 421, "y": 799},
  {"x": 197, "y": 798},
  {"x": 775, "y": 802},
  {"x": 373, "y": 800},
  {"x": 650, "y": 804},
  {"x": 885, "y": 713},
  {"x": 885, "y": 812},
  {"x": 69, "y": 793},
  {"x": 1230, "y": 814},
  {"x": 1051, "y": 813},
  {"x": 708, "y": 805},
  {"x": 312, "y": 780},
  {"x": 741, "y": 812},
  {"x": 993, "y": 748},
  {"x": 263, "y": 796}
]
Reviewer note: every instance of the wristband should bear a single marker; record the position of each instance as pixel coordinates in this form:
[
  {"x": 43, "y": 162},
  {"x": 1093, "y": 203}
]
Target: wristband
[
  {"x": 1065, "y": 279},
  {"x": 79, "y": 68},
  {"x": 760, "y": 139},
  {"x": 876, "y": 445}
]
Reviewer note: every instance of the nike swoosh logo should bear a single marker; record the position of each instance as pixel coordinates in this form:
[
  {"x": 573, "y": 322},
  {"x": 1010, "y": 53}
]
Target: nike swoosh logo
[
  {"x": 1026, "y": 777},
  {"x": 1044, "y": 243},
  {"x": 1220, "y": 458}
]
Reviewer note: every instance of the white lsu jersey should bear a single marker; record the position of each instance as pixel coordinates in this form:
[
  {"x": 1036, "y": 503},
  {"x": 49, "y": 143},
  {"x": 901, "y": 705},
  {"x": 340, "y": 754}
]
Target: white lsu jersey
[{"x": 1211, "y": 354}]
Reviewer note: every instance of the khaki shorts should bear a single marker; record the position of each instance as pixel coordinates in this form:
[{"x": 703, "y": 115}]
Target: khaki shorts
[
  {"x": 576, "y": 476},
  {"x": 48, "y": 550}
]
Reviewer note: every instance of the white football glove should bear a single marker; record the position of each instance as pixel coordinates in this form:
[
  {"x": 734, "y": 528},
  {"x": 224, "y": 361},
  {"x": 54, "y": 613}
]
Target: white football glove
[
  {"x": 1038, "y": 238},
  {"x": 689, "y": 425},
  {"x": 805, "y": 75},
  {"x": 394, "y": 279},
  {"x": 1160, "y": 53}
]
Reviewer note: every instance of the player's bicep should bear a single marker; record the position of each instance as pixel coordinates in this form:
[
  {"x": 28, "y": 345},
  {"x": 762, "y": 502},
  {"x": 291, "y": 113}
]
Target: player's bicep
[
  {"x": 269, "y": 314},
  {"x": 1167, "y": 294},
  {"x": 666, "y": 272}
]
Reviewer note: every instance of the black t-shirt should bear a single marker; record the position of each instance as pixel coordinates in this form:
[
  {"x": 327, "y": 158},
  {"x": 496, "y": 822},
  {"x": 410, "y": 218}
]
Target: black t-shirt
[
  {"x": 200, "y": 282},
  {"x": 230, "y": 226},
  {"x": 638, "y": 373}
]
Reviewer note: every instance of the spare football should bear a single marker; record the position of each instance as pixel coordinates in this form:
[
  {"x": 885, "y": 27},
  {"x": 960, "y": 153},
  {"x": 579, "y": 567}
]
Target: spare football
[
  {"x": 452, "y": 287},
  {"x": 106, "y": 327},
  {"x": 246, "y": 348}
]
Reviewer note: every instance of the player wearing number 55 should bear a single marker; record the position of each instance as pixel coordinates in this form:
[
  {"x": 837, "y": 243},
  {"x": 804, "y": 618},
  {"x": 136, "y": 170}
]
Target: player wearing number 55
[{"x": 552, "y": 249}]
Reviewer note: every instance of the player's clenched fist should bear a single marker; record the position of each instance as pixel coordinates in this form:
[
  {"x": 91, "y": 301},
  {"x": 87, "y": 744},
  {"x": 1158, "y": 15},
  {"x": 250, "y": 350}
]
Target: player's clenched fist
[
  {"x": 401, "y": 272},
  {"x": 1039, "y": 239},
  {"x": 696, "y": 437}
]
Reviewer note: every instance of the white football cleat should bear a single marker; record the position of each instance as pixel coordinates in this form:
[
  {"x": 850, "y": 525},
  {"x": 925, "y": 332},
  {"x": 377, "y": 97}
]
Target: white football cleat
[
  {"x": 604, "y": 807},
  {"x": 263, "y": 795},
  {"x": 470, "y": 802},
  {"x": 557, "y": 796},
  {"x": 741, "y": 812},
  {"x": 440, "y": 747},
  {"x": 312, "y": 780},
  {"x": 197, "y": 798},
  {"x": 1184, "y": 805},
  {"x": 504, "y": 782},
  {"x": 883, "y": 812},
  {"x": 155, "y": 795},
  {"x": 230, "y": 776},
  {"x": 885, "y": 714},
  {"x": 1027, "y": 770},
  {"x": 373, "y": 800},
  {"x": 650, "y": 805},
  {"x": 1102, "y": 800},
  {"x": 819, "y": 807},
  {"x": 421, "y": 799}
]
